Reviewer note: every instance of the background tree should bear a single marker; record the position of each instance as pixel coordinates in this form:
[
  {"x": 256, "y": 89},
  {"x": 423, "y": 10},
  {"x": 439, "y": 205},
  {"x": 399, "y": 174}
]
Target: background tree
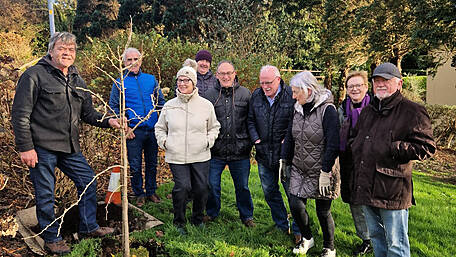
[
  {"x": 95, "y": 18},
  {"x": 390, "y": 27},
  {"x": 436, "y": 24},
  {"x": 344, "y": 46}
]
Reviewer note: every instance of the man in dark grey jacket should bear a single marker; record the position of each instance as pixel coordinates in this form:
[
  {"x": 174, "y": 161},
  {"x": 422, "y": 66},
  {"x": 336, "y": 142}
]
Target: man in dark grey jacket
[
  {"x": 233, "y": 146},
  {"x": 48, "y": 104}
]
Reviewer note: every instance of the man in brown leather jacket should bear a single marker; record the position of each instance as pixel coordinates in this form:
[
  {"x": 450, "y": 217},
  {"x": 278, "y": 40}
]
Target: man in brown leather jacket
[{"x": 390, "y": 133}]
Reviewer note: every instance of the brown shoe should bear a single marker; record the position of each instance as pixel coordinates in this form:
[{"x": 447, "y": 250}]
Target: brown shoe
[
  {"x": 207, "y": 219},
  {"x": 100, "y": 232},
  {"x": 154, "y": 198},
  {"x": 59, "y": 247},
  {"x": 140, "y": 201},
  {"x": 297, "y": 239},
  {"x": 249, "y": 223}
]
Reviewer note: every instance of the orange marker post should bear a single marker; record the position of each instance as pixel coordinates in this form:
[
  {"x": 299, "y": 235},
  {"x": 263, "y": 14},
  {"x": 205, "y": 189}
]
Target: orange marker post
[{"x": 113, "y": 195}]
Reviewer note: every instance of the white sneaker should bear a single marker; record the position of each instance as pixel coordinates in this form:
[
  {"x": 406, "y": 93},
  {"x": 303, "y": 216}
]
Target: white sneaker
[
  {"x": 303, "y": 246},
  {"x": 328, "y": 253}
]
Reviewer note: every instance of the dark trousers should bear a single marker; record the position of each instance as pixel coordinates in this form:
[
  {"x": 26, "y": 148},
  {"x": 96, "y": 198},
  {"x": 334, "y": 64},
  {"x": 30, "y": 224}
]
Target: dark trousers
[
  {"x": 300, "y": 215},
  {"x": 75, "y": 166},
  {"x": 191, "y": 178},
  {"x": 144, "y": 141}
]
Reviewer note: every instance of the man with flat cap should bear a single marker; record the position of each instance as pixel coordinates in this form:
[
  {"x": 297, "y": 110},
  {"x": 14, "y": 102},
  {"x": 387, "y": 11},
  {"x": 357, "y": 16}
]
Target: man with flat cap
[{"x": 390, "y": 133}]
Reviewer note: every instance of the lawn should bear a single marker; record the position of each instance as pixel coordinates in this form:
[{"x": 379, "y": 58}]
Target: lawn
[{"x": 432, "y": 226}]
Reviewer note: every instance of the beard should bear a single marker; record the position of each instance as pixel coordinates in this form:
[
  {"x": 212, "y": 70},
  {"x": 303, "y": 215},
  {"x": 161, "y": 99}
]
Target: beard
[{"x": 382, "y": 96}]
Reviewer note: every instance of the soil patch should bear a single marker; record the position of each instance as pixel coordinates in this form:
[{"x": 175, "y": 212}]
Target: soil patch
[
  {"x": 442, "y": 166},
  {"x": 137, "y": 221}
]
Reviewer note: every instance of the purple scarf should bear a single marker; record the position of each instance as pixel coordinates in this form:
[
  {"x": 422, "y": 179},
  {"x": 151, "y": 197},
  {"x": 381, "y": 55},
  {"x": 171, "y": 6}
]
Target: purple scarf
[{"x": 351, "y": 120}]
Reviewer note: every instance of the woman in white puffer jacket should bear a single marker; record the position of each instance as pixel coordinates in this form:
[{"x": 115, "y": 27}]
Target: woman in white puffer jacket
[{"x": 187, "y": 129}]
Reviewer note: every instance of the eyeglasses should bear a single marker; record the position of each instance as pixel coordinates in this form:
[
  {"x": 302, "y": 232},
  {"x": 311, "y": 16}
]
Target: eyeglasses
[
  {"x": 183, "y": 81},
  {"x": 266, "y": 83},
  {"x": 132, "y": 59},
  {"x": 229, "y": 73},
  {"x": 354, "y": 86}
]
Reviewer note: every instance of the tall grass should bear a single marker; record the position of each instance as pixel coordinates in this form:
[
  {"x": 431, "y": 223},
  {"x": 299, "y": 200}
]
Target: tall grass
[{"x": 432, "y": 225}]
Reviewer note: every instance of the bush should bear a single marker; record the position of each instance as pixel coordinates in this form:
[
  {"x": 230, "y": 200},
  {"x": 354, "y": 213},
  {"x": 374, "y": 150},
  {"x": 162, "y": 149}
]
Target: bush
[
  {"x": 443, "y": 119},
  {"x": 415, "y": 88},
  {"x": 163, "y": 58}
]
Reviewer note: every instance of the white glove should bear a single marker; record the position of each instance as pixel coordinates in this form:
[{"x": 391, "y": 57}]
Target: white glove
[{"x": 324, "y": 182}]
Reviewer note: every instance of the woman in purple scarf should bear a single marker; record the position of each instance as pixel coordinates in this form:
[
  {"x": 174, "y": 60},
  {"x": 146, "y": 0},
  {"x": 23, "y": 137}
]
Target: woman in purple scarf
[{"x": 357, "y": 87}]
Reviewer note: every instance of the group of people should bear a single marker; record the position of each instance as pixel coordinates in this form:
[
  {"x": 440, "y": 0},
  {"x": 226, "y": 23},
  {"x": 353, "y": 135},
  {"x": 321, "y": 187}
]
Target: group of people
[{"x": 362, "y": 150}]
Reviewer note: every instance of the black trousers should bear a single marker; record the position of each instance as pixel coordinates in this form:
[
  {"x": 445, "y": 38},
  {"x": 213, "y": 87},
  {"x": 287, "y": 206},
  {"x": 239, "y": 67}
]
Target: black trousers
[
  {"x": 190, "y": 179},
  {"x": 300, "y": 215}
]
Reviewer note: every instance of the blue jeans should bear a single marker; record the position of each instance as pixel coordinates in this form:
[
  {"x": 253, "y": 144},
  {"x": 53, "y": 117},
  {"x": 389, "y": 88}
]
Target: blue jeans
[
  {"x": 75, "y": 166},
  {"x": 144, "y": 139},
  {"x": 388, "y": 231},
  {"x": 240, "y": 171},
  {"x": 270, "y": 184}
]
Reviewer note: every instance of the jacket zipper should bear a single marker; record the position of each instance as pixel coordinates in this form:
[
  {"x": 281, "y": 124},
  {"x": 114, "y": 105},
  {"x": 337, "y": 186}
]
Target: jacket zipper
[
  {"x": 141, "y": 95},
  {"x": 186, "y": 130},
  {"x": 67, "y": 82}
]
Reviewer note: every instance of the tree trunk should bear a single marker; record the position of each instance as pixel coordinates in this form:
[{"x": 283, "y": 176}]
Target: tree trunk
[
  {"x": 125, "y": 230},
  {"x": 341, "y": 92},
  {"x": 328, "y": 78},
  {"x": 399, "y": 61}
]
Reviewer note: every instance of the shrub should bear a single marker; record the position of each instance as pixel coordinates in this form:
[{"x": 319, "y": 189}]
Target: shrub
[
  {"x": 443, "y": 119},
  {"x": 163, "y": 58},
  {"x": 415, "y": 88}
]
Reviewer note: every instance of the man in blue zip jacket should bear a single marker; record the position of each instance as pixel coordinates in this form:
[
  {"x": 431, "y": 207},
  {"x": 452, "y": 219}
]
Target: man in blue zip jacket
[{"x": 143, "y": 98}]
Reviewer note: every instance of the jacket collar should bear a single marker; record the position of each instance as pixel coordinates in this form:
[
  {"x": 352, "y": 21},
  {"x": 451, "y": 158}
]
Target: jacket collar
[
  {"x": 282, "y": 87},
  {"x": 383, "y": 106},
  {"x": 186, "y": 97},
  {"x": 326, "y": 97},
  {"x": 127, "y": 73},
  {"x": 205, "y": 76},
  {"x": 219, "y": 87}
]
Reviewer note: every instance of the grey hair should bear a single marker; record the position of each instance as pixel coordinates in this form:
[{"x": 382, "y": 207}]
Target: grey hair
[
  {"x": 130, "y": 49},
  {"x": 225, "y": 61},
  {"x": 272, "y": 68},
  {"x": 305, "y": 80},
  {"x": 66, "y": 37}
]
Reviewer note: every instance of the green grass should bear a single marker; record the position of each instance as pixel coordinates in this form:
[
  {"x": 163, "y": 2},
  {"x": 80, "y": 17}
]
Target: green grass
[{"x": 432, "y": 226}]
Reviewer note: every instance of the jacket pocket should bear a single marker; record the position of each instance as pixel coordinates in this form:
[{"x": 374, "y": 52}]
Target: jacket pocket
[
  {"x": 243, "y": 144},
  {"x": 388, "y": 183},
  {"x": 241, "y": 109},
  {"x": 53, "y": 98}
]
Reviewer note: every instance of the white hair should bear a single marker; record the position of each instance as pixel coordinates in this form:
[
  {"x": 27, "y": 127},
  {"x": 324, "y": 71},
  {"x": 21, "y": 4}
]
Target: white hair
[
  {"x": 272, "y": 68},
  {"x": 130, "y": 49},
  {"x": 306, "y": 80}
]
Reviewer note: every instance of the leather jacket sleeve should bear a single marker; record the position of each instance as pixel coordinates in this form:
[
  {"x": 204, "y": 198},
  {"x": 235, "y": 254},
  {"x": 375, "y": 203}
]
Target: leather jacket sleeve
[
  {"x": 24, "y": 100},
  {"x": 419, "y": 143}
]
